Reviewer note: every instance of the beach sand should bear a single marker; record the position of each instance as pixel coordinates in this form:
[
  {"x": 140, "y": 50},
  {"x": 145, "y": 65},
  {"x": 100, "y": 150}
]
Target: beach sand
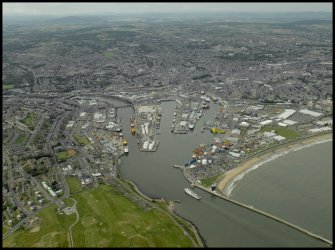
[{"x": 231, "y": 174}]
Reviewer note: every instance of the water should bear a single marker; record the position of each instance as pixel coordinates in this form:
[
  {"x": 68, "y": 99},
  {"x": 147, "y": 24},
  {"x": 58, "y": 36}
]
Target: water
[
  {"x": 220, "y": 222},
  {"x": 296, "y": 187}
]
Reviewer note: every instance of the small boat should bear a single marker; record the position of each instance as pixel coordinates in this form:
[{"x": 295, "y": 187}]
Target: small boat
[{"x": 126, "y": 150}]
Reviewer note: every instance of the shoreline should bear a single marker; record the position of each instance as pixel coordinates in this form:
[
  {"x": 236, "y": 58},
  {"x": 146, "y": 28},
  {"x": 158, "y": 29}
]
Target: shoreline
[
  {"x": 225, "y": 184},
  {"x": 200, "y": 239}
]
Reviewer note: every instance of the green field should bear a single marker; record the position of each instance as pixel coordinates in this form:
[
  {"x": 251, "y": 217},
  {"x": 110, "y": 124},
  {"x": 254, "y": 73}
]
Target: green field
[
  {"x": 106, "y": 219},
  {"x": 20, "y": 139},
  {"x": 285, "y": 132},
  {"x": 74, "y": 183},
  {"x": 7, "y": 86},
  {"x": 50, "y": 232},
  {"x": 62, "y": 156},
  {"x": 68, "y": 202},
  {"x": 82, "y": 140},
  {"x": 209, "y": 181},
  {"x": 31, "y": 120},
  {"x": 4, "y": 229}
]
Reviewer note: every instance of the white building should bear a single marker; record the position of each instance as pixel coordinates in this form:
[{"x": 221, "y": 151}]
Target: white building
[
  {"x": 266, "y": 122},
  {"x": 279, "y": 138},
  {"x": 237, "y": 155},
  {"x": 70, "y": 124},
  {"x": 236, "y": 132},
  {"x": 269, "y": 134},
  {"x": 281, "y": 124},
  {"x": 244, "y": 124},
  {"x": 315, "y": 130},
  {"x": 286, "y": 114},
  {"x": 309, "y": 112},
  {"x": 97, "y": 116},
  {"x": 289, "y": 122}
]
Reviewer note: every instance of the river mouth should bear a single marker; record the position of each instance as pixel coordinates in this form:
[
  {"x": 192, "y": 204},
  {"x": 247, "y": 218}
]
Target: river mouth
[{"x": 221, "y": 223}]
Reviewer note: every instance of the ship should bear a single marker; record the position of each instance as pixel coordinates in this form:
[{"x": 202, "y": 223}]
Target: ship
[
  {"x": 126, "y": 150},
  {"x": 125, "y": 142},
  {"x": 191, "y": 126},
  {"x": 132, "y": 125},
  {"x": 193, "y": 194}
]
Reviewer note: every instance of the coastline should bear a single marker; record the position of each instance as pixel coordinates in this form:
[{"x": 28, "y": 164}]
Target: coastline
[
  {"x": 226, "y": 182},
  {"x": 200, "y": 239}
]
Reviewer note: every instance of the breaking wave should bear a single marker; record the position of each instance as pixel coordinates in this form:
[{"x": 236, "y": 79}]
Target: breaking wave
[{"x": 232, "y": 184}]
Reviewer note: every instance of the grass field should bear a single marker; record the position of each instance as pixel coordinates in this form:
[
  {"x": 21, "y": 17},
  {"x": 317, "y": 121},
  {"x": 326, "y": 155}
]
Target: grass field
[
  {"x": 20, "y": 139},
  {"x": 82, "y": 140},
  {"x": 286, "y": 132},
  {"x": 63, "y": 155},
  {"x": 68, "y": 202},
  {"x": 50, "y": 232},
  {"x": 209, "y": 181},
  {"x": 74, "y": 183},
  {"x": 107, "y": 219},
  {"x": 7, "y": 86},
  {"x": 4, "y": 229},
  {"x": 71, "y": 152},
  {"x": 31, "y": 120}
]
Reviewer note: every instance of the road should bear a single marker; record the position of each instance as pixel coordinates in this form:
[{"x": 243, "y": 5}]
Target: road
[
  {"x": 10, "y": 185},
  {"x": 37, "y": 184},
  {"x": 74, "y": 223},
  {"x": 37, "y": 128}
]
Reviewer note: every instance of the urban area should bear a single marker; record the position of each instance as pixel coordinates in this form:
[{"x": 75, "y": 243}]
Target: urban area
[{"x": 272, "y": 82}]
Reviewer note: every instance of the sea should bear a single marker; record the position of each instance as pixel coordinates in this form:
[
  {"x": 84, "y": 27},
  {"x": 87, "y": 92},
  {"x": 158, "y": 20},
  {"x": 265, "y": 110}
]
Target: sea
[
  {"x": 219, "y": 222},
  {"x": 296, "y": 187}
]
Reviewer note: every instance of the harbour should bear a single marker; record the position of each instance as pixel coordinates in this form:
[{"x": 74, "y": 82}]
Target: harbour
[{"x": 154, "y": 175}]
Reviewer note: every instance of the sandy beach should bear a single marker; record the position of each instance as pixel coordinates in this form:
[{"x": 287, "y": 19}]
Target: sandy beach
[{"x": 231, "y": 174}]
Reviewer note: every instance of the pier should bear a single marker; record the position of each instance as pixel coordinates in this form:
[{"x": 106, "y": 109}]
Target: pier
[{"x": 267, "y": 215}]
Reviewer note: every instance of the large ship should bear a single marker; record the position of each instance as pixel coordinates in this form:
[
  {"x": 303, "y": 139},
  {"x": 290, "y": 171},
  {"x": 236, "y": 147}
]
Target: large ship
[
  {"x": 124, "y": 142},
  {"x": 191, "y": 193},
  {"x": 132, "y": 125}
]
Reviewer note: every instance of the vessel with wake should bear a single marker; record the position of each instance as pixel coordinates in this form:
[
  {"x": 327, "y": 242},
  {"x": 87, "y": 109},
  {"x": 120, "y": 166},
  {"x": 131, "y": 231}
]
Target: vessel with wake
[{"x": 192, "y": 193}]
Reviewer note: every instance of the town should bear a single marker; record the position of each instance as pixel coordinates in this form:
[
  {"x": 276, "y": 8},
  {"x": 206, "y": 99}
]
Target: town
[{"x": 62, "y": 132}]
